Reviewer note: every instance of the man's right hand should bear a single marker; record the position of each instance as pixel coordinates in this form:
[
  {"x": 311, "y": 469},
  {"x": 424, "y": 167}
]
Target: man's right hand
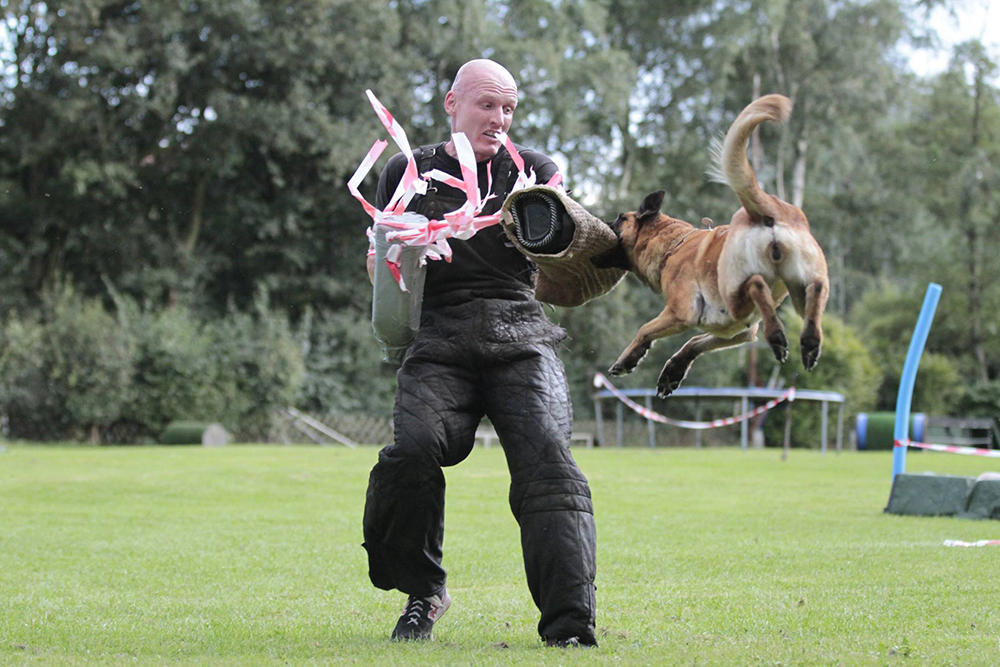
[{"x": 371, "y": 268}]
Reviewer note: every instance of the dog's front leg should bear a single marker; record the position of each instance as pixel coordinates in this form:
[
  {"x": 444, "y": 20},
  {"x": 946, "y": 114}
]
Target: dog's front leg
[
  {"x": 758, "y": 291},
  {"x": 677, "y": 366},
  {"x": 664, "y": 324}
]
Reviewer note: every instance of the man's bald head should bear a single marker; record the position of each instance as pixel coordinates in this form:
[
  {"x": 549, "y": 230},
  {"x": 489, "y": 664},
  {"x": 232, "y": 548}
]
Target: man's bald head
[
  {"x": 479, "y": 69},
  {"x": 481, "y": 105}
]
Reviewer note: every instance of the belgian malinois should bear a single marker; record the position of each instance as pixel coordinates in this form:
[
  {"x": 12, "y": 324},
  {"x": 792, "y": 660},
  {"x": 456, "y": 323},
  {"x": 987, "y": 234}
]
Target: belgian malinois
[{"x": 724, "y": 280}]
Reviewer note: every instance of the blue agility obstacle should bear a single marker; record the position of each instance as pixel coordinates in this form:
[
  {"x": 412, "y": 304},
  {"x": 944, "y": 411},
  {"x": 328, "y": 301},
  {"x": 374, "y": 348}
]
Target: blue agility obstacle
[
  {"x": 933, "y": 495},
  {"x": 904, "y": 397}
]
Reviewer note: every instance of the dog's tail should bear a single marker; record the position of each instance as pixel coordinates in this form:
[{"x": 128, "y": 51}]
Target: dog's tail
[{"x": 733, "y": 163}]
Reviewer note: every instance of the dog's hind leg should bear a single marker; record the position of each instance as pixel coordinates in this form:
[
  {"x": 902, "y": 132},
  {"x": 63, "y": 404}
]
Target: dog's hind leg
[
  {"x": 757, "y": 290},
  {"x": 664, "y": 324},
  {"x": 677, "y": 366},
  {"x": 810, "y": 302}
]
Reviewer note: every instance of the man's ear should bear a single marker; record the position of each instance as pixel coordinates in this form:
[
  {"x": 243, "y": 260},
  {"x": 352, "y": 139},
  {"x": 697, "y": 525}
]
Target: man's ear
[
  {"x": 449, "y": 103},
  {"x": 612, "y": 259},
  {"x": 651, "y": 204}
]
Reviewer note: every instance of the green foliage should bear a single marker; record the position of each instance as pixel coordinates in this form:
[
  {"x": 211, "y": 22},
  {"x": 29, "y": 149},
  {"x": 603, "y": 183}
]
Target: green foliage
[
  {"x": 343, "y": 363},
  {"x": 75, "y": 371},
  {"x": 65, "y": 372},
  {"x": 846, "y": 366},
  {"x": 980, "y": 399},
  {"x": 939, "y": 385},
  {"x": 177, "y": 373},
  {"x": 193, "y": 154},
  {"x": 885, "y": 317},
  {"x": 257, "y": 355}
]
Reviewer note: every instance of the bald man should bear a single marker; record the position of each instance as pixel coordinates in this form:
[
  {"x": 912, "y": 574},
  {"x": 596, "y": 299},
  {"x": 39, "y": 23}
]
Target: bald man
[{"x": 484, "y": 348}]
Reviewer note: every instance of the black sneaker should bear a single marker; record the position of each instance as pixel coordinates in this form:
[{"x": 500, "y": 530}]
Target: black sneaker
[
  {"x": 419, "y": 616},
  {"x": 570, "y": 642}
]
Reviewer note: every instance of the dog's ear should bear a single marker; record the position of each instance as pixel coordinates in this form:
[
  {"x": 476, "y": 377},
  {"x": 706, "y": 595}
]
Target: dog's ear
[
  {"x": 612, "y": 259},
  {"x": 651, "y": 204}
]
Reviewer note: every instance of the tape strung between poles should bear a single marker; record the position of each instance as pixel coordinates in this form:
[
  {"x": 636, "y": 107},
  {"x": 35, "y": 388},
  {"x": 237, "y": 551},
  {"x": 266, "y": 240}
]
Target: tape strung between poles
[
  {"x": 601, "y": 381},
  {"x": 951, "y": 449}
]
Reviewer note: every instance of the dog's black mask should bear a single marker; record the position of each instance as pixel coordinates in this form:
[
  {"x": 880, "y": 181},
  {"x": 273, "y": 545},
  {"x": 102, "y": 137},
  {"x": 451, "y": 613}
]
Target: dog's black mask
[{"x": 612, "y": 259}]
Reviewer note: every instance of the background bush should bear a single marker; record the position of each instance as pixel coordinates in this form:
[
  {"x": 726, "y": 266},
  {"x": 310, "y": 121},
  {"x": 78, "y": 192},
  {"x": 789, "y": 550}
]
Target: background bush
[
  {"x": 846, "y": 366},
  {"x": 343, "y": 364},
  {"x": 75, "y": 371},
  {"x": 259, "y": 363},
  {"x": 175, "y": 374},
  {"x": 65, "y": 372}
]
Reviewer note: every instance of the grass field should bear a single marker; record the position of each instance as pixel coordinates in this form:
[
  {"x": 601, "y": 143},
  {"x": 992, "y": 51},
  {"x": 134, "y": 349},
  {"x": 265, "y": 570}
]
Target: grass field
[{"x": 251, "y": 555}]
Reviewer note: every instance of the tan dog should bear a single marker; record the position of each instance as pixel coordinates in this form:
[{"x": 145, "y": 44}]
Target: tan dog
[{"x": 725, "y": 280}]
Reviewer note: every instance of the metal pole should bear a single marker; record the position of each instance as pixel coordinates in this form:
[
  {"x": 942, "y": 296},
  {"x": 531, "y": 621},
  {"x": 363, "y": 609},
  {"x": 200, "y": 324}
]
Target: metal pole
[
  {"x": 618, "y": 423},
  {"x": 600, "y": 419},
  {"x": 697, "y": 417},
  {"x": 840, "y": 426},
  {"x": 744, "y": 407},
  {"x": 787, "y": 443},
  {"x": 823, "y": 434},
  {"x": 649, "y": 422}
]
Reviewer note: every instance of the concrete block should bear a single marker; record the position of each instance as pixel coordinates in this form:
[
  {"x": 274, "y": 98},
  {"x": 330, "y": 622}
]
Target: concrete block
[
  {"x": 984, "y": 501},
  {"x": 929, "y": 495}
]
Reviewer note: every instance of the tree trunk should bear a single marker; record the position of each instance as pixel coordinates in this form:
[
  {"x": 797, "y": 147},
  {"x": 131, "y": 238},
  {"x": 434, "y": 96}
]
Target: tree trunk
[
  {"x": 628, "y": 155},
  {"x": 975, "y": 288},
  {"x": 799, "y": 173},
  {"x": 975, "y": 295},
  {"x": 756, "y": 160},
  {"x": 197, "y": 214},
  {"x": 185, "y": 246},
  {"x": 756, "y": 150}
]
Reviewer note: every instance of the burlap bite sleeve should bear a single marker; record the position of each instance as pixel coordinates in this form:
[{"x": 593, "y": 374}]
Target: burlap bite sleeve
[{"x": 568, "y": 278}]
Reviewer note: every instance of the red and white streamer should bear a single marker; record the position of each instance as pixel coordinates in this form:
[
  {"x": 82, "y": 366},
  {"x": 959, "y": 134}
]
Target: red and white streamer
[
  {"x": 951, "y": 449},
  {"x": 979, "y": 543},
  {"x": 432, "y": 236},
  {"x": 601, "y": 381}
]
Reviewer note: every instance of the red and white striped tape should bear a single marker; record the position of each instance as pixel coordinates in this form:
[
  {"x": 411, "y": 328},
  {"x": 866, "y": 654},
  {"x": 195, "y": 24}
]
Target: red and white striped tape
[
  {"x": 601, "y": 381},
  {"x": 952, "y": 449},
  {"x": 432, "y": 236},
  {"x": 980, "y": 543}
]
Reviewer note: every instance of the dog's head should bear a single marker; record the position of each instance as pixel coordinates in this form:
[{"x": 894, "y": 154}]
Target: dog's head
[{"x": 627, "y": 227}]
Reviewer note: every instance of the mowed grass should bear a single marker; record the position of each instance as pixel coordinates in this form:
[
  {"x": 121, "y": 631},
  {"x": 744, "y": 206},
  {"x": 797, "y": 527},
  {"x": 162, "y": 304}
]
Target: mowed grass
[{"x": 251, "y": 555}]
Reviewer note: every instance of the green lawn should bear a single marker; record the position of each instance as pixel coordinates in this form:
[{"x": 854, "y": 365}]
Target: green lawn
[{"x": 251, "y": 555}]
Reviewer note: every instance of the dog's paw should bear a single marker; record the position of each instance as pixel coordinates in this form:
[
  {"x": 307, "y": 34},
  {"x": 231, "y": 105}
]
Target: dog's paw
[
  {"x": 664, "y": 389},
  {"x": 811, "y": 349},
  {"x": 629, "y": 360},
  {"x": 671, "y": 377},
  {"x": 618, "y": 370},
  {"x": 779, "y": 345}
]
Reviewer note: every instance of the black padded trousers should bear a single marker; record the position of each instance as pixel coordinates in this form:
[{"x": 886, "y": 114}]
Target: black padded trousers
[{"x": 496, "y": 358}]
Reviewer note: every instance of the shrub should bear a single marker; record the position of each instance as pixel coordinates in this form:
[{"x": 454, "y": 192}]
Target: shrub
[
  {"x": 257, "y": 356},
  {"x": 846, "y": 366},
  {"x": 343, "y": 364},
  {"x": 67, "y": 372},
  {"x": 886, "y": 317},
  {"x": 175, "y": 375},
  {"x": 981, "y": 399}
]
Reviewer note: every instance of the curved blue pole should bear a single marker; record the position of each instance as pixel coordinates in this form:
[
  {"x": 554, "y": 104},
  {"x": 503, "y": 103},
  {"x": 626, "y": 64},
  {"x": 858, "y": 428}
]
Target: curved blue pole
[{"x": 905, "y": 396}]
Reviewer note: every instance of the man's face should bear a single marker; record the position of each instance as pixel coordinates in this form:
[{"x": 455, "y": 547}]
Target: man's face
[{"x": 482, "y": 107}]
